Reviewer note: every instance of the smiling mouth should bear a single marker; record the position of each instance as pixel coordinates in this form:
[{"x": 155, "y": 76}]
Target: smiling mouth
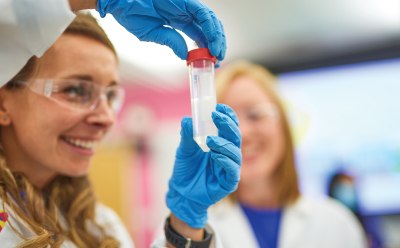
[{"x": 83, "y": 144}]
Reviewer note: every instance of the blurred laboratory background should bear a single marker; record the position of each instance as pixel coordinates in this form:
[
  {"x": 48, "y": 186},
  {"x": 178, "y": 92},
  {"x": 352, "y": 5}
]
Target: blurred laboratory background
[{"x": 338, "y": 66}]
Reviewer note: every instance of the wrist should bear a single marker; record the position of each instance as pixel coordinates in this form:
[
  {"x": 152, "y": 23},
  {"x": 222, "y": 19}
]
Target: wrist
[
  {"x": 76, "y": 5},
  {"x": 184, "y": 229},
  {"x": 202, "y": 238},
  {"x": 190, "y": 212}
]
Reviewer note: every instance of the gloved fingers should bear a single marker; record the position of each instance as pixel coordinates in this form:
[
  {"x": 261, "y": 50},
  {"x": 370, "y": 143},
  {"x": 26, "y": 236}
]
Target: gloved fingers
[
  {"x": 186, "y": 128},
  {"x": 187, "y": 134},
  {"x": 227, "y": 125},
  {"x": 101, "y": 8},
  {"x": 217, "y": 47},
  {"x": 210, "y": 25},
  {"x": 223, "y": 49},
  {"x": 201, "y": 15},
  {"x": 224, "y": 147},
  {"x": 223, "y": 108},
  {"x": 169, "y": 37},
  {"x": 227, "y": 128},
  {"x": 229, "y": 172},
  {"x": 194, "y": 32}
]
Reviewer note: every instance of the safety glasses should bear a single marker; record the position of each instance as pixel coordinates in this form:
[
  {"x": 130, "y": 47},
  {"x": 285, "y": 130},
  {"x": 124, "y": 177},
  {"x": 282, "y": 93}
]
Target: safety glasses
[
  {"x": 77, "y": 93},
  {"x": 266, "y": 112}
]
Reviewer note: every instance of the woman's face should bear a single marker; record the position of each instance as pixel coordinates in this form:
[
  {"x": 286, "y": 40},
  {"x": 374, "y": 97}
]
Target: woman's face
[
  {"x": 45, "y": 138},
  {"x": 263, "y": 138}
]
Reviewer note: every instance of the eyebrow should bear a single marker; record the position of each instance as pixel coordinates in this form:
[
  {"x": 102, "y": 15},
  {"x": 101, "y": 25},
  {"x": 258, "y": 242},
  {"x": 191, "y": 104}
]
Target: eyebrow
[{"x": 89, "y": 78}]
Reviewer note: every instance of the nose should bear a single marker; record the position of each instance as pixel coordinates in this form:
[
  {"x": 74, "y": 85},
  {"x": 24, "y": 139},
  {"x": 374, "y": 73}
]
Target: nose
[{"x": 102, "y": 115}]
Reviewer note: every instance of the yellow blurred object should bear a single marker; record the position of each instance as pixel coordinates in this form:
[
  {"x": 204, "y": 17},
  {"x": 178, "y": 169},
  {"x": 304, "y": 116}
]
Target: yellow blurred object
[
  {"x": 299, "y": 121},
  {"x": 109, "y": 174}
]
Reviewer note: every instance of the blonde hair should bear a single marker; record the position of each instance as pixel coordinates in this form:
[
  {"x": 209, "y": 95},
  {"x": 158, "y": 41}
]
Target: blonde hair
[
  {"x": 65, "y": 208},
  {"x": 287, "y": 188}
]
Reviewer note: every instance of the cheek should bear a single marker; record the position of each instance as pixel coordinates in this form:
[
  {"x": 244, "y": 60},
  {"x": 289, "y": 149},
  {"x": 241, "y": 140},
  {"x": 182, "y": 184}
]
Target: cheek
[
  {"x": 266, "y": 137},
  {"x": 36, "y": 129},
  {"x": 272, "y": 147},
  {"x": 276, "y": 143},
  {"x": 42, "y": 120}
]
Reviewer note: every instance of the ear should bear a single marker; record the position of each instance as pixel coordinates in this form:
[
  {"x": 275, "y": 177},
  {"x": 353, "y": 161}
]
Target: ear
[{"x": 5, "y": 119}]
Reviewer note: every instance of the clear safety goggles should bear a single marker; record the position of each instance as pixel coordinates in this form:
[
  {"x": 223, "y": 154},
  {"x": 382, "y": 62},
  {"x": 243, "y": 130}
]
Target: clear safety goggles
[
  {"x": 266, "y": 112},
  {"x": 77, "y": 93}
]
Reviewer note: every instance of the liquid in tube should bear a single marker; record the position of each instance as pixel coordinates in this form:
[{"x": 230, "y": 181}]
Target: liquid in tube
[{"x": 203, "y": 95}]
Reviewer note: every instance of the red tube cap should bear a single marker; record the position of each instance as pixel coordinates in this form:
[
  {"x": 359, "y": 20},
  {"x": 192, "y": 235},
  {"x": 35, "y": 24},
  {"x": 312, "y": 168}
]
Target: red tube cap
[{"x": 198, "y": 54}]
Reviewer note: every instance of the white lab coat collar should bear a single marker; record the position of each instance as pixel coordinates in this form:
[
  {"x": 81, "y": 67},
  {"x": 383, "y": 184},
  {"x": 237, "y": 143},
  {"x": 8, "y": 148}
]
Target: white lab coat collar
[
  {"x": 229, "y": 220},
  {"x": 306, "y": 223},
  {"x": 227, "y": 216},
  {"x": 294, "y": 223}
]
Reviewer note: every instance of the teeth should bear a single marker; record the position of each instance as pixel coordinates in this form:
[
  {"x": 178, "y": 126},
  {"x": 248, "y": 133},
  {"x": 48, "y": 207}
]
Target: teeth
[{"x": 81, "y": 143}]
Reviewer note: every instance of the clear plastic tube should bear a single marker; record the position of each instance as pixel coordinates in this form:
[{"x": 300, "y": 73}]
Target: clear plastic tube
[{"x": 203, "y": 95}]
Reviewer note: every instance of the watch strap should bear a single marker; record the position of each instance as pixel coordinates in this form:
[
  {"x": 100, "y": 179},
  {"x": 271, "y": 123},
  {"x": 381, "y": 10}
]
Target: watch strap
[{"x": 178, "y": 241}]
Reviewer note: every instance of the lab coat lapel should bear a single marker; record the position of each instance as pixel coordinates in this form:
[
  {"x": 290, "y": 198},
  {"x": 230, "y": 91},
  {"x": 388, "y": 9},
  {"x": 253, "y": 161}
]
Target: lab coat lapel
[
  {"x": 232, "y": 222},
  {"x": 294, "y": 225}
]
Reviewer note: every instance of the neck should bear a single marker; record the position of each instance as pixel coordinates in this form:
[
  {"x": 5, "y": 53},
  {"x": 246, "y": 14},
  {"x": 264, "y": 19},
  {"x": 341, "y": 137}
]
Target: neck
[
  {"x": 260, "y": 194},
  {"x": 82, "y": 4},
  {"x": 37, "y": 175},
  {"x": 39, "y": 178}
]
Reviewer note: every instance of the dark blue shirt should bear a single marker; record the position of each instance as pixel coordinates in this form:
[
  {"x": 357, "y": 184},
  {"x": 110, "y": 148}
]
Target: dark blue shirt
[{"x": 265, "y": 224}]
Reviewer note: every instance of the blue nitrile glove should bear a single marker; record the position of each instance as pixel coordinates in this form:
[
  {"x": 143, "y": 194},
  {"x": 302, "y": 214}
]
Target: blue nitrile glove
[
  {"x": 146, "y": 19},
  {"x": 201, "y": 179}
]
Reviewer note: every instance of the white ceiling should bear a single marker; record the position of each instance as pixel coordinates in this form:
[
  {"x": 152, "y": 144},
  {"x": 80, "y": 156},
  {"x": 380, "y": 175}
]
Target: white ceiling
[
  {"x": 262, "y": 28},
  {"x": 266, "y": 30}
]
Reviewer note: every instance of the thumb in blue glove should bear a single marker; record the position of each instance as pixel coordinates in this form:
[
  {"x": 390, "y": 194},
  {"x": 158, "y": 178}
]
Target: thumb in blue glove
[
  {"x": 201, "y": 179},
  {"x": 156, "y": 21}
]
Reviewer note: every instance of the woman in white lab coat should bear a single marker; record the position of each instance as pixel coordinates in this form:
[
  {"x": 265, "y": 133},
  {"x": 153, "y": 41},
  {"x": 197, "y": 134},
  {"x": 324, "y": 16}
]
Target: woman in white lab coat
[
  {"x": 50, "y": 123},
  {"x": 267, "y": 210},
  {"x": 61, "y": 103},
  {"x": 53, "y": 113}
]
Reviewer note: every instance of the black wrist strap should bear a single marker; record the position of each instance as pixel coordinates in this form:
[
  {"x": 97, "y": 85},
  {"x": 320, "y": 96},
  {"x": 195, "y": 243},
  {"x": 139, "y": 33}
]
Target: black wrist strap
[{"x": 178, "y": 241}]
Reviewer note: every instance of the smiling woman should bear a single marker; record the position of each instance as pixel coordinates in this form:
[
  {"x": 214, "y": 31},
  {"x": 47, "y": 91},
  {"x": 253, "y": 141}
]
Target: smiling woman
[
  {"x": 69, "y": 122},
  {"x": 59, "y": 106},
  {"x": 52, "y": 115}
]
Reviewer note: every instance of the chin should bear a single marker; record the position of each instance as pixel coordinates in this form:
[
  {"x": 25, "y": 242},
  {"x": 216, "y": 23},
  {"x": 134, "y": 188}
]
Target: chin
[
  {"x": 77, "y": 172},
  {"x": 255, "y": 171},
  {"x": 248, "y": 175}
]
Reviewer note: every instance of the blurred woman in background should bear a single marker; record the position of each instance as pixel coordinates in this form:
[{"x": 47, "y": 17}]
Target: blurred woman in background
[{"x": 268, "y": 210}]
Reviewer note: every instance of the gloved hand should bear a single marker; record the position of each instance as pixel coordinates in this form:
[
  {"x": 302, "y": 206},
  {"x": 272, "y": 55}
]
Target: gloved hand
[
  {"x": 201, "y": 179},
  {"x": 146, "y": 19}
]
